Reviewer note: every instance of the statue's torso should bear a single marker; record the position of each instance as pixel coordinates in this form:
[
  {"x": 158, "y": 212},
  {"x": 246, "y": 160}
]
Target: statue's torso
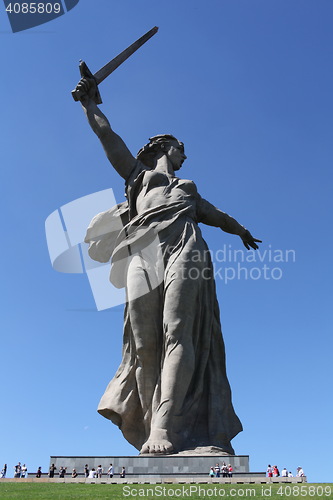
[{"x": 159, "y": 189}]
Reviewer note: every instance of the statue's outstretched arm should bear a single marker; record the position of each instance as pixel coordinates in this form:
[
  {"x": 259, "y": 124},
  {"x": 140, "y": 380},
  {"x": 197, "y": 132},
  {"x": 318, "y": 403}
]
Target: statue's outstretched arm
[
  {"x": 116, "y": 150},
  {"x": 212, "y": 216}
]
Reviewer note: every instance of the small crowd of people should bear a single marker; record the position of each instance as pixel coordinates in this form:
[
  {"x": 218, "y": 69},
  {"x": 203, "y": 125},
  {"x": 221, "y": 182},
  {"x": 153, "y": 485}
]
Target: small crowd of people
[
  {"x": 88, "y": 473},
  {"x": 225, "y": 470},
  {"x": 19, "y": 470},
  {"x": 62, "y": 471},
  {"x": 273, "y": 471},
  {"x": 93, "y": 473}
]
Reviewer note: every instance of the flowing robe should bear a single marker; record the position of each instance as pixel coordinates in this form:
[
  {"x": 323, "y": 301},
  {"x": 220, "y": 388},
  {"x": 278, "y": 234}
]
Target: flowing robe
[{"x": 161, "y": 249}]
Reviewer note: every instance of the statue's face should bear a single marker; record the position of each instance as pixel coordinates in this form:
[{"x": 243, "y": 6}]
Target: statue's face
[{"x": 175, "y": 153}]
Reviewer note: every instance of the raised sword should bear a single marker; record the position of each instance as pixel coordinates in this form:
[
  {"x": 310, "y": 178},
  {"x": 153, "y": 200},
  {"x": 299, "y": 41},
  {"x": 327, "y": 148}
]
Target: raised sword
[{"x": 104, "y": 72}]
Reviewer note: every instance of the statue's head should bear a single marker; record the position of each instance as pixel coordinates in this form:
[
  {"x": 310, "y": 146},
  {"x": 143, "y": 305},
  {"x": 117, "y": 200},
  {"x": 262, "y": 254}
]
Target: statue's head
[{"x": 162, "y": 144}]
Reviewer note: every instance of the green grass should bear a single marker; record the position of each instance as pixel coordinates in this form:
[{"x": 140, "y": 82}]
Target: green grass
[{"x": 54, "y": 491}]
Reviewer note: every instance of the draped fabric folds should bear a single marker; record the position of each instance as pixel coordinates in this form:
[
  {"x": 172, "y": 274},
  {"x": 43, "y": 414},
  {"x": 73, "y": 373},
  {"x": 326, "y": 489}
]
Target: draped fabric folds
[{"x": 180, "y": 291}]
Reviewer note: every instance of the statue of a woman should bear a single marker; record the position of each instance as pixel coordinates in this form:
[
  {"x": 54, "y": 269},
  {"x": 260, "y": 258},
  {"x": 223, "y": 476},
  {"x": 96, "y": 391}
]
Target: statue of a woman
[{"x": 171, "y": 392}]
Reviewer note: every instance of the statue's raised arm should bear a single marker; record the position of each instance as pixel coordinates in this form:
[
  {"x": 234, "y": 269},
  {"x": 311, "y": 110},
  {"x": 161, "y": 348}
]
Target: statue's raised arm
[
  {"x": 171, "y": 393},
  {"x": 116, "y": 150}
]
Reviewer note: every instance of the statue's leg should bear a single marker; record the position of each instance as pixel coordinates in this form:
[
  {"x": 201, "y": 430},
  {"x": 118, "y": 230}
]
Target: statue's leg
[
  {"x": 181, "y": 297},
  {"x": 146, "y": 323}
]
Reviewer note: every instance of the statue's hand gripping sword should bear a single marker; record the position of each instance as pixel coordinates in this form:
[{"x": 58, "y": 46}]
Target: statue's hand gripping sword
[{"x": 104, "y": 72}]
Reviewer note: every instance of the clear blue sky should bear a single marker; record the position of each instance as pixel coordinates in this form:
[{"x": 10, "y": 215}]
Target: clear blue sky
[{"x": 247, "y": 86}]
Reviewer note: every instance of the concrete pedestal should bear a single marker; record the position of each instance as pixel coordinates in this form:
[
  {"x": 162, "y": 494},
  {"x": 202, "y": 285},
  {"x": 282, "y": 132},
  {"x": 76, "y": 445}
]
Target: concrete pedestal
[{"x": 153, "y": 466}]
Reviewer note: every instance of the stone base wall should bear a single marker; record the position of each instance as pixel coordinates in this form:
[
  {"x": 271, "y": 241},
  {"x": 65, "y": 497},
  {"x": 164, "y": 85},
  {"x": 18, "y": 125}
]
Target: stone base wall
[{"x": 170, "y": 465}]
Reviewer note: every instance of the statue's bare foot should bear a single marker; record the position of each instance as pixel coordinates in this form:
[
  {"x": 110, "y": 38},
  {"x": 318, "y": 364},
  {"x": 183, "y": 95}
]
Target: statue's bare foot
[{"x": 158, "y": 443}]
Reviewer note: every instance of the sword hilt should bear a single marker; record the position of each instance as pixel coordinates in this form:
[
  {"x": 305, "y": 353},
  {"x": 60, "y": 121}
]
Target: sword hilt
[
  {"x": 104, "y": 72},
  {"x": 86, "y": 73}
]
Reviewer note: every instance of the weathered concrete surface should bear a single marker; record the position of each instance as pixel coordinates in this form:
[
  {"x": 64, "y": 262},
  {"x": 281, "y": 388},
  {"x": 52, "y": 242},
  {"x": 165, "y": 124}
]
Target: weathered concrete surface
[
  {"x": 154, "y": 465},
  {"x": 171, "y": 392}
]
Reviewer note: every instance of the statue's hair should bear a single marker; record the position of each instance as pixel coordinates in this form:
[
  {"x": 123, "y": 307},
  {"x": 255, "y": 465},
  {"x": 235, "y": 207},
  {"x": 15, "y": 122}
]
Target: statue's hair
[{"x": 148, "y": 153}]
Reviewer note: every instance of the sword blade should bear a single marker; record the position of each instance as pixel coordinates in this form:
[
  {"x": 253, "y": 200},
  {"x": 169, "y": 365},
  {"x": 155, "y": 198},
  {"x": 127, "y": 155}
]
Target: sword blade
[{"x": 104, "y": 72}]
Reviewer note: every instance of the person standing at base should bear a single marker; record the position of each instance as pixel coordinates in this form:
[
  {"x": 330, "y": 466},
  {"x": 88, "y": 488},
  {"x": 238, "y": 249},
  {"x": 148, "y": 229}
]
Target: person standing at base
[
  {"x": 86, "y": 471},
  {"x": 62, "y": 471},
  {"x": 269, "y": 471},
  {"x": 17, "y": 470},
  {"x": 52, "y": 470},
  {"x": 3, "y": 471},
  {"x": 300, "y": 472},
  {"x": 24, "y": 471},
  {"x": 224, "y": 469},
  {"x": 230, "y": 470},
  {"x": 123, "y": 472},
  {"x": 39, "y": 472},
  {"x": 110, "y": 471},
  {"x": 92, "y": 474}
]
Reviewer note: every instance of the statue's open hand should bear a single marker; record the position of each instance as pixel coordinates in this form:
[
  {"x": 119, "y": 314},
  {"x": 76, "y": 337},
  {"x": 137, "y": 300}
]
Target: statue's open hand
[
  {"x": 249, "y": 241},
  {"x": 86, "y": 88}
]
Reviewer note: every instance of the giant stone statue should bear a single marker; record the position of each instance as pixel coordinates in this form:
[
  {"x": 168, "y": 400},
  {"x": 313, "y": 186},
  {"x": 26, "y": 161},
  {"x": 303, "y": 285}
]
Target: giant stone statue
[{"x": 171, "y": 391}]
